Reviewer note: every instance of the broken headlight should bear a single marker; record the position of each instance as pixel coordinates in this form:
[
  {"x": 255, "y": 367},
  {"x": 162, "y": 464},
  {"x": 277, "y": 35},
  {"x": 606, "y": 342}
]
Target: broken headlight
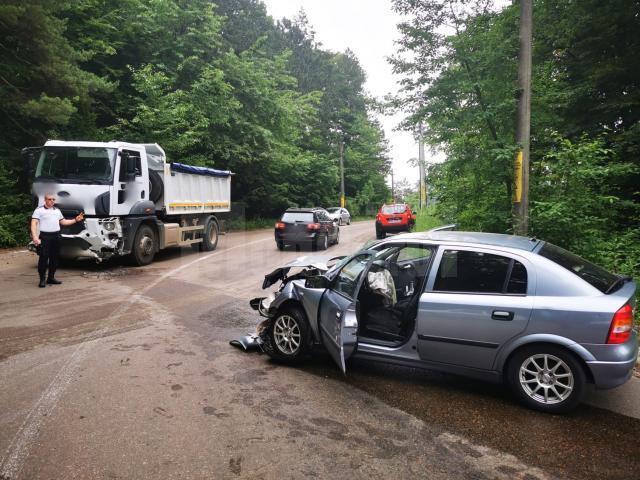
[{"x": 109, "y": 226}]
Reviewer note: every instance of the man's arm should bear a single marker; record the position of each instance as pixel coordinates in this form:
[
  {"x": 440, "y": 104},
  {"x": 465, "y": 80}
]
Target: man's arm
[
  {"x": 78, "y": 218},
  {"x": 34, "y": 231}
]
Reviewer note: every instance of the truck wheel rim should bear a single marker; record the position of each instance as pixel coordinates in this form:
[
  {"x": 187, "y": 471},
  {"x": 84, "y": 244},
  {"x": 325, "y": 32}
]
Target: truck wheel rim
[
  {"x": 286, "y": 333},
  {"x": 213, "y": 234},
  {"x": 546, "y": 379},
  {"x": 146, "y": 245}
]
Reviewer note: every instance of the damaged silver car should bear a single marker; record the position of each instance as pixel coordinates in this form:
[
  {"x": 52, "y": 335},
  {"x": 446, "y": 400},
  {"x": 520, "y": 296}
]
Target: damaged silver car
[{"x": 489, "y": 306}]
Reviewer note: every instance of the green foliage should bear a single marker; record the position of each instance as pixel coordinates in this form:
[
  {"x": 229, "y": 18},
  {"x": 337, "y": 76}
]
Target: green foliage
[
  {"x": 215, "y": 83},
  {"x": 458, "y": 60},
  {"x": 427, "y": 218}
]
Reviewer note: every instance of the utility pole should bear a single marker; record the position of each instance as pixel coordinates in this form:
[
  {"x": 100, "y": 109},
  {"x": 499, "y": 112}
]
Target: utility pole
[
  {"x": 343, "y": 200},
  {"x": 521, "y": 167},
  {"x": 393, "y": 191},
  {"x": 423, "y": 191}
]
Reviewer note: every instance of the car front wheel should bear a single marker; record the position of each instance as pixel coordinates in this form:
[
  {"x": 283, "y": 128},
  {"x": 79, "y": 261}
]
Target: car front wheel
[
  {"x": 547, "y": 378},
  {"x": 288, "y": 335}
]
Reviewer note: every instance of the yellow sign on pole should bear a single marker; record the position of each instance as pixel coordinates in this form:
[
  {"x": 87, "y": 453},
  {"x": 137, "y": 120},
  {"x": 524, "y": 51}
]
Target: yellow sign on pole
[
  {"x": 343, "y": 201},
  {"x": 423, "y": 195},
  {"x": 517, "y": 191}
]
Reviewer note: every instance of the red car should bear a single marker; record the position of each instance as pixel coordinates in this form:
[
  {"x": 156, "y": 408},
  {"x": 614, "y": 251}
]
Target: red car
[{"x": 397, "y": 217}]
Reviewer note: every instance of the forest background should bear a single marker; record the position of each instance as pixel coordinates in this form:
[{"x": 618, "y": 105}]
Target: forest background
[{"x": 220, "y": 84}]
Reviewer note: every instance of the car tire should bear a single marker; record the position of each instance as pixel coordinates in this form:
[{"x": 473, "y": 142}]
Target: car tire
[
  {"x": 533, "y": 375},
  {"x": 288, "y": 335},
  {"x": 144, "y": 246},
  {"x": 340, "y": 222},
  {"x": 349, "y": 221},
  {"x": 380, "y": 233},
  {"x": 322, "y": 243},
  {"x": 337, "y": 240},
  {"x": 280, "y": 245}
]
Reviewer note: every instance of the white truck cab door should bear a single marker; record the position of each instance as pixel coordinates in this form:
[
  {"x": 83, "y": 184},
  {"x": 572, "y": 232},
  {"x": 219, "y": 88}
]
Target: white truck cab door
[{"x": 131, "y": 180}]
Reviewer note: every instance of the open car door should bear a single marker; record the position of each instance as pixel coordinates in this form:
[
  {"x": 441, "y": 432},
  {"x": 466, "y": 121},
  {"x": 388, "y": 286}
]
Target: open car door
[{"x": 338, "y": 319}]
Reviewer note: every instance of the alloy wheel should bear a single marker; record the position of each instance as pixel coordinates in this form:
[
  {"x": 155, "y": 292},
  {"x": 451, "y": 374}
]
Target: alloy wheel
[
  {"x": 546, "y": 379},
  {"x": 287, "y": 335}
]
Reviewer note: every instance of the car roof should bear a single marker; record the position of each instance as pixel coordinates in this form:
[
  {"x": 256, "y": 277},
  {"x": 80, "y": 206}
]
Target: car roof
[
  {"x": 297, "y": 209},
  {"x": 480, "y": 238}
]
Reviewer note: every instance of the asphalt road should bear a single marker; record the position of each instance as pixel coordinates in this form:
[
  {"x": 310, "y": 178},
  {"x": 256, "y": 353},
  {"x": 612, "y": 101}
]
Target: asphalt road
[{"x": 124, "y": 372}]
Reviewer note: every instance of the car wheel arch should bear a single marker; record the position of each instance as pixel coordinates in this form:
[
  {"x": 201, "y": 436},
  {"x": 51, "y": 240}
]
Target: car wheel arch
[
  {"x": 582, "y": 355},
  {"x": 296, "y": 303}
]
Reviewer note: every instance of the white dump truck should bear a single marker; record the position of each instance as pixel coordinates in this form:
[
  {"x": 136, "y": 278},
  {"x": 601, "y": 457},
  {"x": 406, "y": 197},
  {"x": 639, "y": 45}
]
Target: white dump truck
[{"x": 135, "y": 202}]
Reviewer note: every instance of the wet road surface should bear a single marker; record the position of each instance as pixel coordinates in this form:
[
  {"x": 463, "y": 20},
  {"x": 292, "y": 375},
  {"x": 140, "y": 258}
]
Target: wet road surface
[{"x": 126, "y": 372}]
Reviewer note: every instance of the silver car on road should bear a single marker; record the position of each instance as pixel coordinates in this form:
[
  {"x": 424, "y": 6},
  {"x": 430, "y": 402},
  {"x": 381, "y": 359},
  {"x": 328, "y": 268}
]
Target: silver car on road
[{"x": 489, "y": 306}]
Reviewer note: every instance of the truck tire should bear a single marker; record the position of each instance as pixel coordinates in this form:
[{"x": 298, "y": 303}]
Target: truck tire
[
  {"x": 156, "y": 186},
  {"x": 210, "y": 236},
  {"x": 144, "y": 246}
]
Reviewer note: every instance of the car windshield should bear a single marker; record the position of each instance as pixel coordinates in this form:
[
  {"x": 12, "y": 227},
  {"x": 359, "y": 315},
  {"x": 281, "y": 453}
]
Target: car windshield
[
  {"x": 292, "y": 217},
  {"x": 333, "y": 210},
  {"x": 391, "y": 209},
  {"x": 93, "y": 165},
  {"x": 589, "y": 272}
]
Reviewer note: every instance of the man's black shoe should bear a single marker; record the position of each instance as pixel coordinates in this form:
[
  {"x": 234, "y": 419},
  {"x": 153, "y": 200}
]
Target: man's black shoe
[
  {"x": 41, "y": 284},
  {"x": 53, "y": 281}
]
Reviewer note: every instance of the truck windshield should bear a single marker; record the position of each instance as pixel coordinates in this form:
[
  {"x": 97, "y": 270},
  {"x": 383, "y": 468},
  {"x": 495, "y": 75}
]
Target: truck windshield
[{"x": 91, "y": 165}]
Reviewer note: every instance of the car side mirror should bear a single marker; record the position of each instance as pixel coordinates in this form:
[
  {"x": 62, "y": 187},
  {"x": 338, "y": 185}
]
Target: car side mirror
[{"x": 318, "y": 281}]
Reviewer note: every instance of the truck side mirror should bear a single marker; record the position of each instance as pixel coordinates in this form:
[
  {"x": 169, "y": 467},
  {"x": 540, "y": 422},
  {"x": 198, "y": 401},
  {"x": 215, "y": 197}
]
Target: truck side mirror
[{"x": 128, "y": 167}]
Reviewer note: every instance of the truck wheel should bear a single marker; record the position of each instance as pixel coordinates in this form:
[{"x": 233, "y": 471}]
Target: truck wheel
[
  {"x": 156, "y": 186},
  {"x": 144, "y": 246},
  {"x": 210, "y": 236}
]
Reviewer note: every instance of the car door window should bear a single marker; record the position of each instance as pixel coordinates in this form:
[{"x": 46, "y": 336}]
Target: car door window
[
  {"x": 480, "y": 272},
  {"x": 422, "y": 252},
  {"x": 346, "y": 281}
]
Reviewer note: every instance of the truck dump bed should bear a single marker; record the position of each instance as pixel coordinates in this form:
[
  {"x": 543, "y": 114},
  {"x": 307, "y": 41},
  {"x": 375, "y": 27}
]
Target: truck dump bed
[{"x": 189, "y": 189}]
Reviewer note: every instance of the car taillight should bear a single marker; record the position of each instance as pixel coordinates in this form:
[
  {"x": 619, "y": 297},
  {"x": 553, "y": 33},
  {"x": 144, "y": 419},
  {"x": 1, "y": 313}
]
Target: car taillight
[
  {"x": 621, "y": 325},
  {"x": 313, "y": 226},
  {"x": 280, "y": 226}
]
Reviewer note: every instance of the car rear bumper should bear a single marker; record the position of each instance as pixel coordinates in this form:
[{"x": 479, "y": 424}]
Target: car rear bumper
[
  {"x": 296, "y": 237},
  {"x": 394, "y": 227},
  {"x": 614, "y": 363}
]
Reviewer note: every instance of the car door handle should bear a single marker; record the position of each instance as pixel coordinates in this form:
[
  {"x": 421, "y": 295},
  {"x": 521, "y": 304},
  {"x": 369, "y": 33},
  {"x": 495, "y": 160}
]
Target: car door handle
[{"x": 502, "y": 315}]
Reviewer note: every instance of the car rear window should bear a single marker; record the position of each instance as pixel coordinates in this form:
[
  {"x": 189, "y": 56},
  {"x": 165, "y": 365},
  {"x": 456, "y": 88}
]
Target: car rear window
[
  {"x": 391, "y": 209},
  {"x": 589, "y": 272},
  {"x": 292, "y": 217},
  {"x": 332, "y": 210}
]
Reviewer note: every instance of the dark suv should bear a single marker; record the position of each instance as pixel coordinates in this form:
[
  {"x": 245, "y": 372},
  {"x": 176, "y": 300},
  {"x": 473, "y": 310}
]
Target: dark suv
[
  {"x": 396, "y": 217},
  {"x": 308, "y": 226}
]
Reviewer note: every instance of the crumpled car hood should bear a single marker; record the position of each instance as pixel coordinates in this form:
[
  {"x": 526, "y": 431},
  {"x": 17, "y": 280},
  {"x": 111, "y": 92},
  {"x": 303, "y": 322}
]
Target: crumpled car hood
[{"x": 318, "y": 262}]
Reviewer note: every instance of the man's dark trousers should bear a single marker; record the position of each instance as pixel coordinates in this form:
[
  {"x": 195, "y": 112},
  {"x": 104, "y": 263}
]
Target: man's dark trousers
[{"x": 49, "y": 253}]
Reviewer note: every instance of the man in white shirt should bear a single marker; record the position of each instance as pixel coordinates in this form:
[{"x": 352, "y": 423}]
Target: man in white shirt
[{"x": 48, "y": 219}]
